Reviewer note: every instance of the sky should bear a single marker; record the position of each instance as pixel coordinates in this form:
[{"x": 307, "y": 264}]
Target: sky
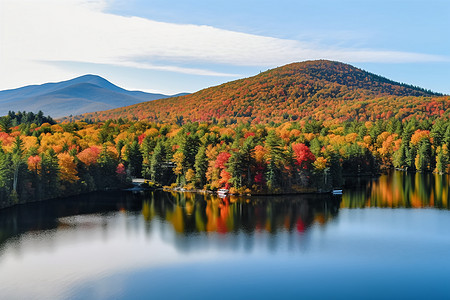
[{"x": 172, "y": 46}]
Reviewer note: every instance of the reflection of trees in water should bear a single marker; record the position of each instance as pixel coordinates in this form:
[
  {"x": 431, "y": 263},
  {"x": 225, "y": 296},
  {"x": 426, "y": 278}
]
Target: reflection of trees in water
[
  {"x": 203, "y": 221},
  {"x": 195, "y": 213},
  {"x": 188, "y": 213},
  {"x": 401, "y": 189}
]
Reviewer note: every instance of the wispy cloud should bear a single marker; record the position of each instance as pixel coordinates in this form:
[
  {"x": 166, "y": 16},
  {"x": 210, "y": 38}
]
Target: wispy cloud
[{"x": 36, "y": 33}]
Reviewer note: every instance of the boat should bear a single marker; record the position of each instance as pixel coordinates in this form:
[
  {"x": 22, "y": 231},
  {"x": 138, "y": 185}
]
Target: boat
[
  {"x": 222, "y": 192},
  {"x": 336, "y": 192}
]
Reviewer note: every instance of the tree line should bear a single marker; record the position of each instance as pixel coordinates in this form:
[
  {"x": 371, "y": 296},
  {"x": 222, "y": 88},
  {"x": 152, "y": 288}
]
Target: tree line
[{"x": 55, "y": 160}]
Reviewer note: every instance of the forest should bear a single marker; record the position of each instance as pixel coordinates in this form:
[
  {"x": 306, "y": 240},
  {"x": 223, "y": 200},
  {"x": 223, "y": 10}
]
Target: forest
[
  {"x": 48, "y": 160},
  {"x": 314, "y": 90}
]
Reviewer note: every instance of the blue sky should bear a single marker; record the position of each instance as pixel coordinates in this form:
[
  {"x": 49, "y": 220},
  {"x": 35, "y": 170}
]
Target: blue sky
[{"x": 183, "y": 46}]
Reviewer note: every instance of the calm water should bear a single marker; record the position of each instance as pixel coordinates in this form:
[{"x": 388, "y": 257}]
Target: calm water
[{"x": 388, "y": 238}]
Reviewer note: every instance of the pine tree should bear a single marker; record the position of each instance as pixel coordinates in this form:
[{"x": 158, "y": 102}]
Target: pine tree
[
  {"x": 423, "y": 157},
  {"x": 157, "y": 169},
  {"x": 134, "y": 159},
  {"x": 189, "y": 147},
  {"x": 49, "y": 175},
  {"x": 399, "y": 157},
  {"x": 276, "y": 160},
  {"x": 438, "y": 132},
  {"x": 6, "y": 176},
  {"x": 147, "y": 147},
  {"x": 442, "y": 159},
  {"x": 236, "y": 168},
  {"x": 107, "y": 167},
  {"x": 18, "y": 162},
  {"x": 447, "y": 134},
  {"x": 201, "y": 166},
  {"x": 5, "y": 124}
]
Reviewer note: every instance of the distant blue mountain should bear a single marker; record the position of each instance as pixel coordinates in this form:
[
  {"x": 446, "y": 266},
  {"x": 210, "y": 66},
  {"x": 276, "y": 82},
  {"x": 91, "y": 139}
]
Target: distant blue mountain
[{"x": 83, "y": 94}]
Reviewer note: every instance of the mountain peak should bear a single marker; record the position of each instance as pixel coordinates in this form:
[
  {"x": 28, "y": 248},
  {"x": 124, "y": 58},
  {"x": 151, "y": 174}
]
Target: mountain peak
[
  {"x": 334, "y": 72},
  {"x": 319, "y": 89},
  {"x": 82, "y": 94},
  {"x": 89, "y": 76}
]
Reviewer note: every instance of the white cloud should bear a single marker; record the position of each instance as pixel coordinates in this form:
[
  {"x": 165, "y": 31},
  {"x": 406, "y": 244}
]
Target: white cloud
[{"x": 33, "y": 34}]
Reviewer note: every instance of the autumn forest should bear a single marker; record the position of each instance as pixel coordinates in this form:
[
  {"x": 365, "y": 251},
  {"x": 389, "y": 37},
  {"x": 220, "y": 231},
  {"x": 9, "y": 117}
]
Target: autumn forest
[
  {"x": 40, "y": 161},
  {"x": 301, "y": 128}
]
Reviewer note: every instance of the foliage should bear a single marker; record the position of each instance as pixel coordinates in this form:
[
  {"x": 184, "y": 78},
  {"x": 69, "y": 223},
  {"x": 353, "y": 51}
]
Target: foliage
[
  {"x": 313, "y": 90},
  {"x": 299, "y": 128}
]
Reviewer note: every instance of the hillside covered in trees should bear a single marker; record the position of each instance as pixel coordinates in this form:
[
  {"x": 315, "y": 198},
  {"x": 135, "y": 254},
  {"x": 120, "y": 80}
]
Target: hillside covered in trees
[{"x": 313, "y": 90}]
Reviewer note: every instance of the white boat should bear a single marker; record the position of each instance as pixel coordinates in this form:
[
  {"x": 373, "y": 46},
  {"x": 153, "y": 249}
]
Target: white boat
[
  {"x": 222, "y": 192},
  {"x": 337, "y": 192}
]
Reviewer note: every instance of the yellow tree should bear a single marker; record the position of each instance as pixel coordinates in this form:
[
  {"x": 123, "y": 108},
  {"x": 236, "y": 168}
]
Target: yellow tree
[
  {"x": 178, "y": 159},
  {"x": 67, "y": 168}
]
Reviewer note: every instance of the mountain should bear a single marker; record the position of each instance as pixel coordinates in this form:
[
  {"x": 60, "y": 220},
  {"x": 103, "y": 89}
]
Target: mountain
[
  {"x": 321, "y": 89},
  {"x": 80, "y": 95}
]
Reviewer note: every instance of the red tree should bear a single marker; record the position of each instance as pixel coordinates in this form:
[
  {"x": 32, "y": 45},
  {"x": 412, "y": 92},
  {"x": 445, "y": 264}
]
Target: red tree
[{"x": 303, "y": 156}]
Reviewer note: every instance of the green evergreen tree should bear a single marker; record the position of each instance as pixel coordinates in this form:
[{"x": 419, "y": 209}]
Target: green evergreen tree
[
  {"x": 201, "y": 166},
  {"x": 105, "y": 176},
  {"x": 18, "y": 162},
  {"x": 189, "y": 147},
  {"x": 274, "y": 172},
  {"x": 438, "y": 132},
  {"x": 423, "y": 156},
  {"x": 236, "y": 168},
  {"x": 411, "y": 153},
  {"x": 241, "y": 163},
  {"x": 409, "y": 129},
  {"x": 399, "y": 157},
  {"x": 134, "y": 159},
  {"x": 442, "y": 159},
  {"x": 6, "y": 176},
  {"x": 49, "y": 174},
  {"x": 157, "y": 169},
  {"x": 447, "y": 134},
  {"x": 147, "y": 147},
  {"x": 6, "y": 124}
]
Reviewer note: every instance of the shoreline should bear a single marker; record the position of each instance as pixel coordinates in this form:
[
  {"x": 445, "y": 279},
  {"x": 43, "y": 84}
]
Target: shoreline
[
  {"x": 137, "y": 188},
  {"x": 200, "y": 191}
]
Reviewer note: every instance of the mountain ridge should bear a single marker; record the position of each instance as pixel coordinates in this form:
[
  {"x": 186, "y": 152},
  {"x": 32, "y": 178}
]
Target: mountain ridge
[
  {"x": 320, "y": 89},
  {"x": 86, "y": 93}
]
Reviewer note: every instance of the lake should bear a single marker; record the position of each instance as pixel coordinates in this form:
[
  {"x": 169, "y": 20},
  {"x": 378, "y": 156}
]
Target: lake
[{"x": 384, "y": 238}]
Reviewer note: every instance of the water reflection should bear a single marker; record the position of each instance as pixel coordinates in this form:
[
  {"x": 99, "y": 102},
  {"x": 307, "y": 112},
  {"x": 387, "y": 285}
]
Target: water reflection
[
  {"x": 131, "y": 246},
  {"x": 50, "y": 215},
  {"x": 187, "y": 214},
  {"x": 190, "y": 213},
  {"x": 400, "y": 190},
  {"x": 194, "y": 213}
]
